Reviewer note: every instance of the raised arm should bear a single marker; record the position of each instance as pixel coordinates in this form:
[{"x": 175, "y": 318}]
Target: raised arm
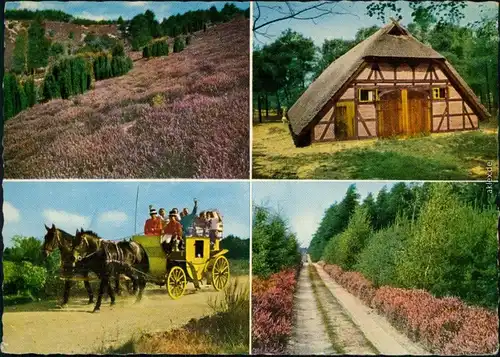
[{"x": 195, "y": 208}]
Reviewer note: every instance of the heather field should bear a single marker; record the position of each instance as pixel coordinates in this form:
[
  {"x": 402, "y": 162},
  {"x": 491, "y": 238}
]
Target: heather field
[{"x": 184, "y": 115}]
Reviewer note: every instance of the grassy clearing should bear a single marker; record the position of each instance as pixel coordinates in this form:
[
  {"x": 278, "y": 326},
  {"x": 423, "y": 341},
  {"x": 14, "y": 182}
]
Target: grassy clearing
[
  {"x": 226, "y": 331},
  {"x": 447, "y": 156}
]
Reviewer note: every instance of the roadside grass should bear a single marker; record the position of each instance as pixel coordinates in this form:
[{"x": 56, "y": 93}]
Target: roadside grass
[
  {"x": 226, "y": 331},
  {"x": 447, "y": 156},
  {"x": 239, "y": 267}
]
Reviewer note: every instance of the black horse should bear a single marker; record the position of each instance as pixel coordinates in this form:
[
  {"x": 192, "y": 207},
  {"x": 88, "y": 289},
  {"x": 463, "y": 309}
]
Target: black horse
[
  {"x": 56, "y": 238},
  {"x": 112, "y": 258}
]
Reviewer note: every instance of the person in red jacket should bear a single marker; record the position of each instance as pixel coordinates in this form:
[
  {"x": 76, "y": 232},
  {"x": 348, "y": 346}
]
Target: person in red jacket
[
  {"x": 173, "y": 230},
  {"x": 153, "y": 225}
]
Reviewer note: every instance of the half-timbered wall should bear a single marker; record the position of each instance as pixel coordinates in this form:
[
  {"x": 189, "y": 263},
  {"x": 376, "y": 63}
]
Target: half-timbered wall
[{"x": 451, "y": 113}]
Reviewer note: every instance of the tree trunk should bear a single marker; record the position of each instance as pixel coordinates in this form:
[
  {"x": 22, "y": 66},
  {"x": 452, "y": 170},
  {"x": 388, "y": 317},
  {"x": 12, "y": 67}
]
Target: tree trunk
[
  {"x": 267, "y": 107},
  {"x": 488, "y": 94},
  {"x": 259, "y": 107}
]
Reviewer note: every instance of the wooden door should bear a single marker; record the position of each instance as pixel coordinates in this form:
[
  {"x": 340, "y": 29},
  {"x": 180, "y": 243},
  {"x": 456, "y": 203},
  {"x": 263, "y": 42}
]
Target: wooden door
[
  {"x": 344, "y": 120},
  {"x": 391, "y": 120},
  {"x": 418, "y": 113}
]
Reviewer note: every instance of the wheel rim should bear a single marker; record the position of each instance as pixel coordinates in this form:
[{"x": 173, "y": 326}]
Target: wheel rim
[
  {"x": 176, "y": 282},
  {"x": 220, "y": 273}
]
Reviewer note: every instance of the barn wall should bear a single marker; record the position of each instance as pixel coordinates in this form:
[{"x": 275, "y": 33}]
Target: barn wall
[{"x": 405, "y": 77}]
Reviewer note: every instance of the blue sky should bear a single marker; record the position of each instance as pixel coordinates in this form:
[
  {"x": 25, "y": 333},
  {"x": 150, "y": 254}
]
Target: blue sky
[
  {"x": 108, "y": 208},
  {"x": 113, "y": 9},
  {"x": 303, "y": 203},
  {"x": 352, "y": 16}
]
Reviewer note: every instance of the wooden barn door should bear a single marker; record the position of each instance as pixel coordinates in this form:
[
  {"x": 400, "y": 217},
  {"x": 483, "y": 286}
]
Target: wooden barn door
[
  {"x": 390, "y": 122},
  {"x": 418, "y": 113}
]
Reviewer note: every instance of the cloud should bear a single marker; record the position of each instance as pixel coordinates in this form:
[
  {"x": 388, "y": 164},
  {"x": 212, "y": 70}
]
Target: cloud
[
  {"x": 136, "y": 3},
  {"x": 66, "y": 220},
  {"x": 10, "y": 213},
  {"x": 30, "y": 5},
  {"x": 89, "y": 16},
  {"x": 116, "y": 218}
]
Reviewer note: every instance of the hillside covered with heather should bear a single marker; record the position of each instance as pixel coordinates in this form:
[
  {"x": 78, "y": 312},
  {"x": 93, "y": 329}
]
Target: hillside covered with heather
[{"x": 180, "y": 115}]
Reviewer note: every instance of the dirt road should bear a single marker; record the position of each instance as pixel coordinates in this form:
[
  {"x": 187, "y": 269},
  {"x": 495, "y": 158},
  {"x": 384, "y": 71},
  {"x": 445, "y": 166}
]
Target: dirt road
[
  {"x": 329, "y": 320},
  {"x": 44, "y": 328}
]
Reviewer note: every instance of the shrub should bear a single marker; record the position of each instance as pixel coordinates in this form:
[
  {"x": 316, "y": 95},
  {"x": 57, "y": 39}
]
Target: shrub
[
  {"x": 18, "y": 94},
  {"x": 453, "y": 250},
  {"x": 155, "y": 48},
  {"x": 377, "y": 261},
  {"x": 23, "y": 278},
  {"x": 178, "y": 44},
  {"x": 188, "y": 40},
  {"x": 345, "y": 247},
  {"x": 272, "y": 312},
  {"x": 71, "y": 35},
  {"x": 57, "y": 49},
  {"x": 67, "y": 77}
]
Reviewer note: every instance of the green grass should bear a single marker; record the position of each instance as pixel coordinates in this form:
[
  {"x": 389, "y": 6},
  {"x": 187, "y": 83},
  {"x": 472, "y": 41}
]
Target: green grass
[
  {"x": 239, "y": 267},
  {"x": 448, "y": 156}
]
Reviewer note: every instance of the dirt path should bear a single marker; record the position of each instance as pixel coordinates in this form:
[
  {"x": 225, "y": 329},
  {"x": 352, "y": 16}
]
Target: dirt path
[
  {"x": 309, "y": 335},
  {"x": 43, "y": 328},
  {"x": 321, "y": 325}
]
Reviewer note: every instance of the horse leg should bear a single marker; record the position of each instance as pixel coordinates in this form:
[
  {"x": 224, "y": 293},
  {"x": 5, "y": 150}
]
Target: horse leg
[
  {"x": 88, "y": 287},
  {"x": 117, "y": 285},
  {"x": 111, "y": 293},
  {"x": 142, "y": 285},
  {"x": 102, "y": 290},
  {"x": 67, "y": 287}
]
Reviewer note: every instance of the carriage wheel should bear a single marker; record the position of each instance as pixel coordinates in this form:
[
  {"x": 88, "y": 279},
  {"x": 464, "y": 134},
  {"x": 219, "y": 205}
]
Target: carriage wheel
[
  {"x": 220, "y": 273},
  {"x": 176, "y": 282}
]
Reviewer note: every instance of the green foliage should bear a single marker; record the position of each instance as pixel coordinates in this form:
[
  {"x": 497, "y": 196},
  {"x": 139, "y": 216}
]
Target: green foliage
[
  {"x": 334, "y": 221},
  {"x": 188, "y": 40},
  {"x": 155, "y": 48},
  {"x": 57, "y": 49},
  {"x": 38, "y": 46},
  {"x": 23, "y": 278},
  {"x": 67, "y": 77},
  {"x": 19, "y": 60},
  {"x": 100, "y": 43},
  {"x": 178, "y": 44},
  {"x": 377, "y": 261},
  {"x": 344, "y": 248},
  {"x": 49, "y": 15},
  {"x": 71, "y": 35},
  {"x": 274, "y": 247},
  {"x": 238, "y": 248},
  {"x": 452, "y": 251},
  {"x": 52, "y": 33},
  {"x": 18, "y": 94}
]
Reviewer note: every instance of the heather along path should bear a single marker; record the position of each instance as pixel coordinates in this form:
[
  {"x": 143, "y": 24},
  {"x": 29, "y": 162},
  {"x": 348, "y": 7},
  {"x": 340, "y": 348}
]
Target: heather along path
[{"x": 379, "y": 335}]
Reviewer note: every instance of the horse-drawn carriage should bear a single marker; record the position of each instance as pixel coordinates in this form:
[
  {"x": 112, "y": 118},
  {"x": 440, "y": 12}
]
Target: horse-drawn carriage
[{"x": 197, "y": 262}]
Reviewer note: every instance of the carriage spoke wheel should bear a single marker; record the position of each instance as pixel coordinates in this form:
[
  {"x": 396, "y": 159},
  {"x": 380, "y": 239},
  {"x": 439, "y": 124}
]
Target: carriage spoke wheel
[
  {"x": 176, "y": 282},
  {"x": 220, "y": 273}
]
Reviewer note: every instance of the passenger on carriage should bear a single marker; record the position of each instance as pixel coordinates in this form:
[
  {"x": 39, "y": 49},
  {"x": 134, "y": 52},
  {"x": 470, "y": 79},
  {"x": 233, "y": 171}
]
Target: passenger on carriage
[
  {"x": 176, "y": 211},
  {"x": 153, "y": 225},
  {"x": 162, "y": 217},
  {"x": 213, "y": 223},
  {"x": 187, "y": 220},
  {"x": 173, "y": 231},
  {"x": 201, "y": 225}
]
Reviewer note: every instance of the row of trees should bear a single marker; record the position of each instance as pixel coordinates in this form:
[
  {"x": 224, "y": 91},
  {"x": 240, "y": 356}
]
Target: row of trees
[
  {"x": 18, "y": 94},
  {"x": 32, "y": 49},
  {"x": 274, "y": 247},
  {"x": 283, "y": 68},
  {"x": 436, "y": 236},
  {"x": 142, "y": 28},
  {"x": 50, "y": 15}
]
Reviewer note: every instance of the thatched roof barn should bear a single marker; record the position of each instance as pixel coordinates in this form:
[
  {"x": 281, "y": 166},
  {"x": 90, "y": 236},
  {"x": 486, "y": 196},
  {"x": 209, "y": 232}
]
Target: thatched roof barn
[{"x": 390, "y": 84}]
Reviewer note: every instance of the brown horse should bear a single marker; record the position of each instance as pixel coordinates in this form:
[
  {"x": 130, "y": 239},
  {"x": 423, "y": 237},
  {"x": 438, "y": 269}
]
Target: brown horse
[
  {"x": 56, "y": 238},
  {"x": 111, "y": 258}
]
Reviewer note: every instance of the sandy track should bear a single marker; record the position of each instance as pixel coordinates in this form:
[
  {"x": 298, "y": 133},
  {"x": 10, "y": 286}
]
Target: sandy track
[
  {"x": 44, "y": 328},
  {"x": 309, "y": 335}
]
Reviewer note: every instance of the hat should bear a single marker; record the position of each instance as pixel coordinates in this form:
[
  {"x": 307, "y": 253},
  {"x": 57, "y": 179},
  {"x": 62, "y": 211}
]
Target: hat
[
  {"x": 172, "y": 213},
  {"x": 152, "y": 210}
]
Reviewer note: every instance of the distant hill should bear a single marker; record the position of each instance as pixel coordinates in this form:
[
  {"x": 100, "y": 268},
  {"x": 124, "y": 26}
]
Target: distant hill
[{"x": 57, "y": 31}]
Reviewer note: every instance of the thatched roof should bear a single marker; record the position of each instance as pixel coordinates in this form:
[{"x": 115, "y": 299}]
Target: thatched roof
[{"x": 391, "y": 41}]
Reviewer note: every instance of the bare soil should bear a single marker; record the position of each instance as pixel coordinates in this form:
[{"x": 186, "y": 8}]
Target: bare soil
[{"x": 44, "y": 328}]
